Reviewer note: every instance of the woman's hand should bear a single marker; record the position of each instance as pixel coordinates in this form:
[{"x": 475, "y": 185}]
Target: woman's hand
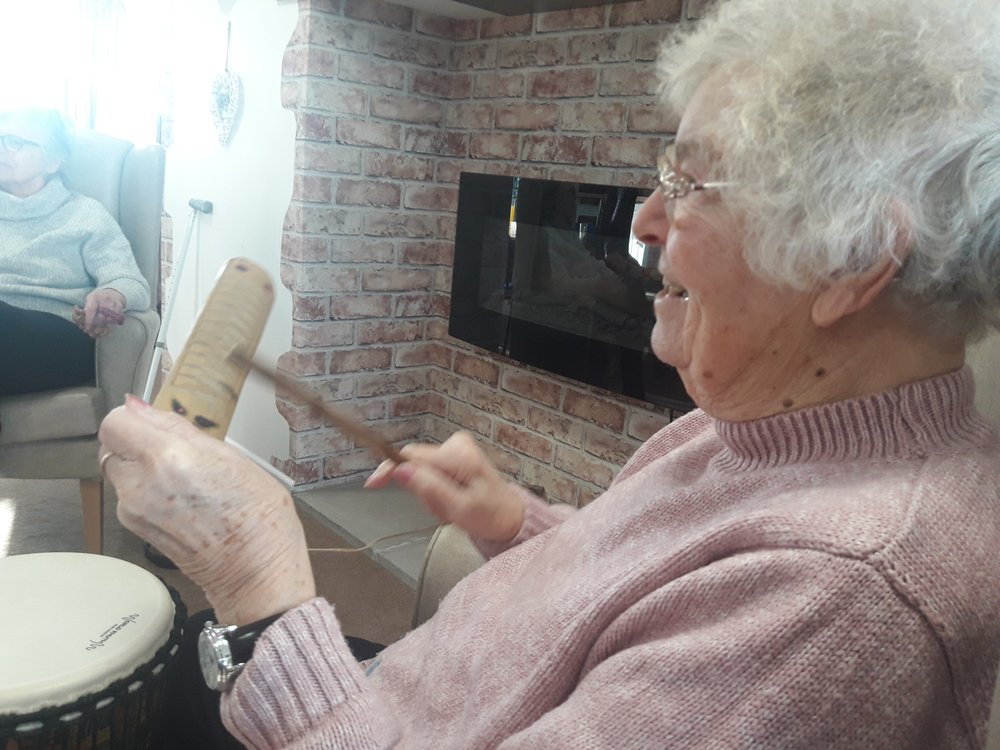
[
  {"x": 458, "y": 484},
  {"x": 103, "y": 308},
  {"x": 226, "y": 523}
]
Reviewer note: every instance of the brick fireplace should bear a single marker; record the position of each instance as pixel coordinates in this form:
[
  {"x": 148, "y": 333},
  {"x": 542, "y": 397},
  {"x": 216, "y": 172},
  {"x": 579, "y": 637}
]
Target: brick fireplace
[{"x": 391, "y": 105}]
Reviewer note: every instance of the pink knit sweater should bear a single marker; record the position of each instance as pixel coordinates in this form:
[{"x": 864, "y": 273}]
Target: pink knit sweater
[{"x": 821, "y": 579}]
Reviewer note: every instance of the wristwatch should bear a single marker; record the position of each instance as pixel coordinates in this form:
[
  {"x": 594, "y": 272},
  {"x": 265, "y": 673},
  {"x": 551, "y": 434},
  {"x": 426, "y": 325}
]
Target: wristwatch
[{"x": 224, "y": 650}]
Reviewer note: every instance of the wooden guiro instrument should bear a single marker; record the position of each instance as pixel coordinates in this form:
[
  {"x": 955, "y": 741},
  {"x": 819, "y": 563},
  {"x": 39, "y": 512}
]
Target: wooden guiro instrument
[{"x": 205, "y": 382}]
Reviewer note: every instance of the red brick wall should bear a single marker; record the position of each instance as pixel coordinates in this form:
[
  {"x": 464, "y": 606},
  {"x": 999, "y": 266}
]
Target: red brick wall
[{"x": 391, "y": 106}]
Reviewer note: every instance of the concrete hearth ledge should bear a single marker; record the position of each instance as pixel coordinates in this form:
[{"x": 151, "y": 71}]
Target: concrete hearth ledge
[{"x": 360, "y": 515}]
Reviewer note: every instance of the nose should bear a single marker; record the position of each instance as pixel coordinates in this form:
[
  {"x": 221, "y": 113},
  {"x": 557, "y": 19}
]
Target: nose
[{"x": 651, "y": 224}]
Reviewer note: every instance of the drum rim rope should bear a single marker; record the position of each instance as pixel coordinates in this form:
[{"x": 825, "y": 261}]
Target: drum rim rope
[{"x": 13, "y": 726}]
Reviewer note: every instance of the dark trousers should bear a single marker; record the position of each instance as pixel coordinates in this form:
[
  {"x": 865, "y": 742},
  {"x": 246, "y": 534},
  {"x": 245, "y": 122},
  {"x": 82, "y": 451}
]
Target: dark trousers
[
  {"x": 41, "y": 352},
  {"x": 193, "y": 719}
]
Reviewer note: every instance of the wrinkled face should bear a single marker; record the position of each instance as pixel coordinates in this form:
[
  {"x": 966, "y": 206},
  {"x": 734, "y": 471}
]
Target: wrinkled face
[
  {"x": 25, "y": 164},
  {"x": 734, "y": 338}
]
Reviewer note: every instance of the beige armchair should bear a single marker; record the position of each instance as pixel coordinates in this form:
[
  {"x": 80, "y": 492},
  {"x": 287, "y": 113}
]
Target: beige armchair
[
  {"x": 53, "y": 435},
  {"x": 450, "y": 556}
]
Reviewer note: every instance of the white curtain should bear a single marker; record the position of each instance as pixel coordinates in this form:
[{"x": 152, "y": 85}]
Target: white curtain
[{"x": 100, "y": 61}]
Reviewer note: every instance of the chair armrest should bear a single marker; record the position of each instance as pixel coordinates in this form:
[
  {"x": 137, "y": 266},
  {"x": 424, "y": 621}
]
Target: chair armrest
[
  {"x": 450, "y": 556},
  {"x": 141, "y": 204},
  {"x": 123, "y": 356}
]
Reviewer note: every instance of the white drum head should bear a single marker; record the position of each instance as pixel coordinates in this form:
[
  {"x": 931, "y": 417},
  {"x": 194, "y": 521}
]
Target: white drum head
[{"x": 74, "y": 623}]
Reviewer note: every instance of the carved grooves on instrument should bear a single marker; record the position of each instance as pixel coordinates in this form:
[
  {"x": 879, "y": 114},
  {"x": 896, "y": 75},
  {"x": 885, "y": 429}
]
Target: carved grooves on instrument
[
  {"x": 205, "y": 382},
  {"x": 233, "y": 318}
]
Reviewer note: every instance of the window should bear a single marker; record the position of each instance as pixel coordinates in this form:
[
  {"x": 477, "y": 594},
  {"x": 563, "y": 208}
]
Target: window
[{"x": 100, "y": 61}]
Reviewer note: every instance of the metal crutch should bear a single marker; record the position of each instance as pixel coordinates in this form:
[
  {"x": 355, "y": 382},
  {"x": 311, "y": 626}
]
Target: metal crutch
[{"x": 197, "y": 207}]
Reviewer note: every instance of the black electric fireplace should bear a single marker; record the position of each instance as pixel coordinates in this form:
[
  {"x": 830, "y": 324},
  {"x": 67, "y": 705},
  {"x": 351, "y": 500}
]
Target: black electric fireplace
[{"x": 548, "y": 273}]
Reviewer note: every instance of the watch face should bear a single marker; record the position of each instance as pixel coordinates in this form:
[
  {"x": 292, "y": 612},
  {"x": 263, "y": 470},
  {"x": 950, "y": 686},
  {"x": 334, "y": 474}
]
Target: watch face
[{"x": 214, "y": 656}]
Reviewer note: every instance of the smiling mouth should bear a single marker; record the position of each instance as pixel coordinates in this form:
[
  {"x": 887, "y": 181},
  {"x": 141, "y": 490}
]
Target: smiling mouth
[{"x": 673, "y": 290}]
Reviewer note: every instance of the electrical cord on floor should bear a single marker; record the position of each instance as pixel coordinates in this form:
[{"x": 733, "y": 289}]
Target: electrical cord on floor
[{"x": 375, "y": 541}]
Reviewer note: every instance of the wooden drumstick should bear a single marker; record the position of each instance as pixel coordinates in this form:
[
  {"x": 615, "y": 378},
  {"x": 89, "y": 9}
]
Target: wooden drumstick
[
  {"x": 205, "y": 382},
  {"x": 355, "y": 430}
]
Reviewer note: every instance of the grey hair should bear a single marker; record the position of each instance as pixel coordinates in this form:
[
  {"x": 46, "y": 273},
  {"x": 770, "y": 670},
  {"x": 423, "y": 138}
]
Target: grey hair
[
  {"x": 857, "y": 128},
  {"x": 59, "y": 133}
]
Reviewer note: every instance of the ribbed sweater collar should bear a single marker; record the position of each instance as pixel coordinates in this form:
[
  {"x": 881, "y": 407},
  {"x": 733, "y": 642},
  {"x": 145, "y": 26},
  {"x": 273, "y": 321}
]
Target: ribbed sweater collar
[
  {"x": 910, "y": 421},
  {"x": 42, "y": 203}
]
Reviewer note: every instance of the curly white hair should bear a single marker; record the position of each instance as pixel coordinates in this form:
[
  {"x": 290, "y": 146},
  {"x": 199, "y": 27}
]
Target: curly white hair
[{"x": 856, "y": 127}]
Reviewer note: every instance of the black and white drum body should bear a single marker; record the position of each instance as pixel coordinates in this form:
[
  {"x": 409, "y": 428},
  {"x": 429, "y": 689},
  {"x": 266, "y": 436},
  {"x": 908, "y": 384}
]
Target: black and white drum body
[{"x": 86, "y": 645}]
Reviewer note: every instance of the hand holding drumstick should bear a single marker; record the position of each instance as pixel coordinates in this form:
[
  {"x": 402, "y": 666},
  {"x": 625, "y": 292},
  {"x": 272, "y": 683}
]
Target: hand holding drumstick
[{"x": 103, "y": 309}]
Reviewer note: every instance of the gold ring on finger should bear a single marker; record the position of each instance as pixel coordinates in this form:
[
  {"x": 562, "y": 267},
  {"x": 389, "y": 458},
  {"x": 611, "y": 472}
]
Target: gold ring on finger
[{"x": 103, "y": 462}]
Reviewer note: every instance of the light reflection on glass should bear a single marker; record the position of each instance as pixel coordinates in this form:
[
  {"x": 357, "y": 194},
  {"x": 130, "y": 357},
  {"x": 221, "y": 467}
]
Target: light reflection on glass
[{"x": 7, "y": 512}]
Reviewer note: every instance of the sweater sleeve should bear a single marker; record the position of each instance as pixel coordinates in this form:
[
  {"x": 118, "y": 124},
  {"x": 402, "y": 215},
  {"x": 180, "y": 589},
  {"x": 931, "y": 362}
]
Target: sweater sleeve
[
  {"x": 764, "y": 649},
  {"x": 539, "y": 516},
  {"x": 108, "y": 258},
  {"x": 304, "y": 689}
]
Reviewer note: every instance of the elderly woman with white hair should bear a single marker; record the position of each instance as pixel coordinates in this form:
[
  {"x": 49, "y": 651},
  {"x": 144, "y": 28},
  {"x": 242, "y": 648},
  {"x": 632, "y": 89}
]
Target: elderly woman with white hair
[{"x": 809, "y": 560}]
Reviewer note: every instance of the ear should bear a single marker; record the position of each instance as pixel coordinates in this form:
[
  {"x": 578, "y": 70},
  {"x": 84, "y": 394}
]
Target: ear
[
  {"x": 52, "y": 165},
  {"x": 848, "y": 294}
]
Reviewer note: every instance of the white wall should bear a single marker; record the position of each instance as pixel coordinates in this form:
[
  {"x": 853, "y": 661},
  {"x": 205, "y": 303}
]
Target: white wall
[
  {"x": 170, "y": 51},
  {"x": 249, "y": 182}
]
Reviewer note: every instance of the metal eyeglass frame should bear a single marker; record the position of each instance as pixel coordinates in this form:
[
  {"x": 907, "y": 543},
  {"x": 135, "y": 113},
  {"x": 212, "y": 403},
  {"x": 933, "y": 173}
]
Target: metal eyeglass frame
[
  {"x": 13, "y": 143},
  {"x": 675, "y": 184}
]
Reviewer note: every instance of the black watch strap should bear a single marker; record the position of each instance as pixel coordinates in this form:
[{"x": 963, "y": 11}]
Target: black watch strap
[{"x": 243, "y": 639}]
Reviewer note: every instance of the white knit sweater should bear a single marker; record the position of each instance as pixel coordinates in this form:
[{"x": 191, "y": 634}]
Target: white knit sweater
[{"x": 57, "y": 246}]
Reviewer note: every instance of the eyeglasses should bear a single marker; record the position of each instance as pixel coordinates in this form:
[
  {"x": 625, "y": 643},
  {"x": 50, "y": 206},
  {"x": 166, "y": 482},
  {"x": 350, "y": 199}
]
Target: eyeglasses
[
  {"x": 675, "y": 184},
  {"x": 14, "y": 143}
]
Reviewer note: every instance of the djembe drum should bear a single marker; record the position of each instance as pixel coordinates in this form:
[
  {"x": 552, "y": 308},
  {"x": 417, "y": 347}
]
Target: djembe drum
[{"x": 86, "y": 645}]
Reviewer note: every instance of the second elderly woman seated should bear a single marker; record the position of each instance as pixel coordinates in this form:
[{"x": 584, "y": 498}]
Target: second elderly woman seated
[
  {"x": 810, "y": 559},
  {"x": 67, "y": 273}
]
